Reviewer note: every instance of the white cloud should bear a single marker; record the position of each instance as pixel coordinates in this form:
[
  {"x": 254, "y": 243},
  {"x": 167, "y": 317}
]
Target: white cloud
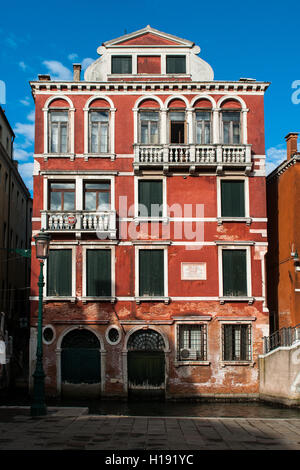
[
  {"x": 26, "y": 101},
  {"x": 57, "y": 70},
  {"x": 20, "y": 154},
  {"x": 72, "y": 56},
  {"x": 26, "y": 131},
  {"x": 275, "y": 156},
  {"x": 31, "y": 116},
  {"x": 26, "y": 170},
  {"x": 86, "y": 62},
  {"x": 23, "y": 65}
]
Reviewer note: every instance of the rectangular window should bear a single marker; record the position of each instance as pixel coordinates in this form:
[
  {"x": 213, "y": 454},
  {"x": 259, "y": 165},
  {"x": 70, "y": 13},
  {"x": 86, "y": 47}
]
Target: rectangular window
[
  {"x": 192, "y": 343},
  {"x": 177, "y": 127},
  {"x": 62, "y": 196},
  {"x": 121, "y": 64},
  {"x": 234, "y": 273},
  {"x": 233, "y": 198},
  {"x": 203, "y": 127},
  {"x": 59, "y": 131},
  {"x": 176, "y": 64},
  {"x": 150, "y": 198},
  {"x": 97, "y": 196},
  {"x": 149, "y": 127},
  {"x": 99, "y": 123},
  {"x": 151, "y": 273},
  {"x": 231, "y": 127},
  {"x": 98, "y": 273},
  {"x": 236, "y": 343},
  {"x": 59, "y": 273}
]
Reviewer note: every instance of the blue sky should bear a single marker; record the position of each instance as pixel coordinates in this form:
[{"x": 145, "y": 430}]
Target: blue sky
[{"x": 239, "y": 39}]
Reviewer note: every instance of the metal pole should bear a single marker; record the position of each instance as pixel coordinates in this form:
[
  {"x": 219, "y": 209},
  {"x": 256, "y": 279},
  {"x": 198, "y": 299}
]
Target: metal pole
[{"x": 38, "y": 407}]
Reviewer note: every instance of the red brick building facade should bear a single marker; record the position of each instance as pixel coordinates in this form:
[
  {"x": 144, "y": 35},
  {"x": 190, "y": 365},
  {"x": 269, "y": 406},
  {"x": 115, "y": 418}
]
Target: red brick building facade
[{"x": 150, "y": 178}]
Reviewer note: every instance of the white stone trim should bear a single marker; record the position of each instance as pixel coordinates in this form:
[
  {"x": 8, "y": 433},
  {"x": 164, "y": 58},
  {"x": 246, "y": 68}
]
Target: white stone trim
[
  {"x": 245, "y": 246},
  {"x": 66, "y": 246},
  {"x": 113, "y": 272},
  {"x": 59, "y": 349},
  {"x": 246, "y": 195},
  {"x": 136, "y": 257},
  {"x": 71, "y": 134}
]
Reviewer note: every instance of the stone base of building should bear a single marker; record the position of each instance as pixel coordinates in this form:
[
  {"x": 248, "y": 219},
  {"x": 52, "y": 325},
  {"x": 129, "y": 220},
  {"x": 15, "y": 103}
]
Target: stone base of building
[{"x": 280, "y": 400}]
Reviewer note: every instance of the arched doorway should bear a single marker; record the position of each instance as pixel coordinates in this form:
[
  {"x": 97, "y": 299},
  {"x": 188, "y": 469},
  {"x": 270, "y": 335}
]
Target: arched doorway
[
  {"x": 146, "y": 364},
  {"x": 80, "y": 364}
]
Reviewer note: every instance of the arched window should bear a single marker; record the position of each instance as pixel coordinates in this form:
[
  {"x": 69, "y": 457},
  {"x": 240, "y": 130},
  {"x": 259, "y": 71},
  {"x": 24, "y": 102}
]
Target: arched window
[
  {"x": 99, "y": 127},
  {"x": 59, "y": 126},
  {"x": 231, "y": 122},
  {"x": 146, "y": 340},
  {"x": 59, "y": 129},
  {"x": 177, "y": 122},
  {"x": 203, "y": 121},
  {"x": 149, "y": 122}
]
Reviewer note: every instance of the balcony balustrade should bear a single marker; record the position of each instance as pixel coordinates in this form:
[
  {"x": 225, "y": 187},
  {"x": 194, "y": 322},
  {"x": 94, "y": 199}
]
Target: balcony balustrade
[
  {"x": 104, "y": 223},
  {"x": 192, "y": 156}
]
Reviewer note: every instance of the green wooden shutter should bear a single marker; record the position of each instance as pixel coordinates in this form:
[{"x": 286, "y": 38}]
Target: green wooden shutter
[
  {"x": 121, "y": 64},
  {"x": 176, "y": 64},
  {"x": 228, "y": 339},
  {"x": 59, "y": 273},
  {"x": 233, "y": 199},
  {"x": 151, "y": 272},
  {"x": 234, "y": 273},
  {"x": 98, "y": 269},
  {"x": 151, "y": 196}
]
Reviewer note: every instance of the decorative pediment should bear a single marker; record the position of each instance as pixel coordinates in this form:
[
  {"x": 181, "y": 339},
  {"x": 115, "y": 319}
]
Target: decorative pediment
[{"x": 149, "y": 37}]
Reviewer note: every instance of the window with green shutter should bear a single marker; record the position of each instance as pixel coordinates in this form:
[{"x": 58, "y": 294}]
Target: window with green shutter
[
  {"x": 232, "y": 198},
  {"x": 176, "y": 64},
  {"x": 98, "y": 270},
  {"x": 150, "y": 198},
  {"x": 59, "y": 273},
  {"x": 121, "y": 64},
  {"x": 236, "y": 342},
  {"x": 151, "y": 273},
  {"x": 234, "y": 273}
]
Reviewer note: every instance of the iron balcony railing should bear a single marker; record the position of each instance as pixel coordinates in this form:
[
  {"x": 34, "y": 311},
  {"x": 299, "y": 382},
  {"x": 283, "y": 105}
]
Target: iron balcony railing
[{"x": 283, "y": 337}]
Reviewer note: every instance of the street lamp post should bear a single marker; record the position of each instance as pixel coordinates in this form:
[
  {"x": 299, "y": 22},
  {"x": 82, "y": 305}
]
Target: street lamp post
[{"x": 38, "y": 407}]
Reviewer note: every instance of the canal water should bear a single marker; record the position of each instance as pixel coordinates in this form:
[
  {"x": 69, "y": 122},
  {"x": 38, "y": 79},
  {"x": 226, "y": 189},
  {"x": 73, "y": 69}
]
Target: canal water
[{"x": 224, "y": 409}]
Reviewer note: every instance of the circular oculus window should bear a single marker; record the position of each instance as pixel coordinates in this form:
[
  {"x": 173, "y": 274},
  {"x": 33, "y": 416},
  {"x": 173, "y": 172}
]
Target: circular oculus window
[
  {"x": 113, "y": 335},
  {"x": 48, "y": 334}
]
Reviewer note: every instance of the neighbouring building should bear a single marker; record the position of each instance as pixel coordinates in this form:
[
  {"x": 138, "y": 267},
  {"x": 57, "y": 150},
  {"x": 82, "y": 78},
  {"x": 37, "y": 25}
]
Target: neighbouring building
[
  {"x": 149, "y": 176},
  {"x": 15, "y": 241},
  {"x": 283, "y": 199}
]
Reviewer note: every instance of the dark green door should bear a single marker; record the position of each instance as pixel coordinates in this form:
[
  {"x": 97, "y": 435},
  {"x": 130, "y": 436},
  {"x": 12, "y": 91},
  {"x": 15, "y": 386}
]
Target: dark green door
[
  {"x": 80, "y": 366},
  {"x": 80, "y": 358},
  {"x": 146, "y": 364},
  {"x": 146, "y": 369}
]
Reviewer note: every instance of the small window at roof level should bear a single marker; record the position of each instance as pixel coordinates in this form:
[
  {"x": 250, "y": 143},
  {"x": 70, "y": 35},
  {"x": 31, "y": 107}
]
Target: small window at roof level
[
  {"x": 121, "y": 64},
  {"x": 176, "y": 64}
]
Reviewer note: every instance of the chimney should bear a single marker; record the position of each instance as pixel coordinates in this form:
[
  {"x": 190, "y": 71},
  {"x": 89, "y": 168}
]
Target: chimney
[
  {"x": 76, "y": 72},
  {"x": 44, "y": 77},
  {"x": 291, "y": 144}
]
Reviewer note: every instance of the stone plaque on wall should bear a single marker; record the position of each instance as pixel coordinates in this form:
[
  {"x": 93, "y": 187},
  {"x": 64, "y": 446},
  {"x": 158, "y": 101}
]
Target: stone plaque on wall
[{"x": 193, "y": 271}]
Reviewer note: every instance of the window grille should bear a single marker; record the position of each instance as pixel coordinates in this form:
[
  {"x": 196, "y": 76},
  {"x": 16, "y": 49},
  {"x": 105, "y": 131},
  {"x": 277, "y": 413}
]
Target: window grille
[
  {"x": 192, "y": 342},
  {"x": 236, "y": 343}
]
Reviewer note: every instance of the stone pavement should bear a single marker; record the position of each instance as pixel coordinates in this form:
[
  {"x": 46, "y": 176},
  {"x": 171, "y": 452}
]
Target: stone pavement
[{"x": 75, "y": 429}]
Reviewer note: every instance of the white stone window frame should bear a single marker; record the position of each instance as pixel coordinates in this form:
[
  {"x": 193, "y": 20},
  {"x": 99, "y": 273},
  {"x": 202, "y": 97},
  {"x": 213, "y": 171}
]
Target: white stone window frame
[
  {"x": 137, "y": 218},
  {"x": 243, "y": 118},
  {"x": 71, "y": 126},
  {"x": 85, "y": 298},
  {"x": 214, "y": 130},
  {"x": 51, "y": 327},
  {"x": 204, "y": 321},
  {"x": 111, "y": 127},
  {"x": 116, "y": 327},
  {"x": 246, "y": 219},
  {"x": 136, "y": 120},
  {"x": 221, "y": 245},
  {"x": 153, "y": 246},
  {"x": 58, "y": 298},
  {"x": 235, "y": 321},
  {"x": 79, "y": 187}
]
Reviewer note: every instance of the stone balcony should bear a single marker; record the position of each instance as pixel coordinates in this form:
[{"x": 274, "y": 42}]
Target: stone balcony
[
  {"x": 78, "y": 222},
  {"x": 192, "y": 157}
]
